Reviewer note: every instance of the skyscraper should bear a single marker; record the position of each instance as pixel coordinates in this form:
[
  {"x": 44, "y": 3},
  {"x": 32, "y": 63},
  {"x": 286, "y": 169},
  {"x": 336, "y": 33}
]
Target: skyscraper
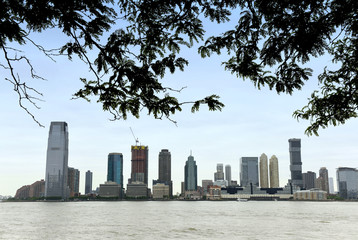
[
  {"x": 73, "y": 181},
  {"x": 309, "y": 180},
  {"x": 295, "y": 162},
  {"x": 249, "y": 171},
  {"x": 57, "y": 161},
  {"x": 88, "y": 184},
  {"x": 139, "y": 164},
  {"x": 228, "y": 174},
  {"x": 190, "y": 175},
  {"x": 165, "y": 170},
  {"x": 347, "y": 182},
  {"x": 115, "y": 168},
  {"x": 274, "y": 174},
  {"x": 263, "y": 171},
  {"x": 219, "y": 174},
  {"x": 322, "y": 180}
]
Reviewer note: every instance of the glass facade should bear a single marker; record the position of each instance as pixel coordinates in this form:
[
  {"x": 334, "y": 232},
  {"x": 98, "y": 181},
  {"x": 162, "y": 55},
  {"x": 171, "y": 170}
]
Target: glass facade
[
  {"x": 295, "y": 162},
  {"x": 347, "y": 182},
  {"x": 190, "y": 176},
  {"x": 88, "y": 185},
  {"x": 115, "y": 168},
  {"x": 249, "y": 172},
  {"x": 57, "y": 161}
]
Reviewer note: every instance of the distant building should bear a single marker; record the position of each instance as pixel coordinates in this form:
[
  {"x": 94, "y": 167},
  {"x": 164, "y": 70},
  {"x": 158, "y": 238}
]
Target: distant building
[
  {"x": 73, "y": 181},
  {"x": 219, "y": 174},
  {"x": 322, "y": 180},
  {"x": 205, "y": 184},
  {"x": 228, "y": 174},
  {"x": 309, "y": 180},
  {"x": 263, "y": 171},
  {"x": 249, "y": 171},
  {"x": 221, "y": 183},
  {"x": 164, "y": 170},
  {"x": 331, "y": 185},
  {"x": 274, "y": 173},
  {"x": 312, "y": 194},
  {"x": 160, "y": 191},
  {"x": 139, "y": 164},
  {"x": 295, "y": 162},
  {"x": 23, "y": 192},
  {"x": 110, "y": 190},
  {"x": 57, "y": 161},
  {"x": 137, "y": 190},
  {"x": 115, "y": 168},
  {"x": 190, "y": 175},
  {"x": 214, "y": 193},
  {"x": 347, "y": 182},
  {"x": 35, "y": 190},
  {"x": 88, "y": 184}
]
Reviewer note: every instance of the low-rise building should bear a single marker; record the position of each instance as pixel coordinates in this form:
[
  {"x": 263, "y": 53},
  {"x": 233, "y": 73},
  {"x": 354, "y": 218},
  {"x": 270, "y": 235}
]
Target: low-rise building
[
  {"x": 312, "y": 194},
  {"x": 137, "y": 190},
  {"x": 110, "y": 190},
  {"x": 160, "y": 191}
]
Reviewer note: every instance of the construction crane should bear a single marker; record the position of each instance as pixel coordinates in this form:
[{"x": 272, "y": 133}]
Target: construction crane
[{"x": 136, "y": 139}]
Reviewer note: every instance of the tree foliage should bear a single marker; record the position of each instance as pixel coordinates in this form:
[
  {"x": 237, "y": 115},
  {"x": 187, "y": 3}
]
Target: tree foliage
[{"x": 270, "y": 45}]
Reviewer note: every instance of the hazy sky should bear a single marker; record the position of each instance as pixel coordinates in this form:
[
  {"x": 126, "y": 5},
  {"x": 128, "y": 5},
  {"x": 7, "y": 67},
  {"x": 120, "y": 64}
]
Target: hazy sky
[{"x": 253, "y": 122}]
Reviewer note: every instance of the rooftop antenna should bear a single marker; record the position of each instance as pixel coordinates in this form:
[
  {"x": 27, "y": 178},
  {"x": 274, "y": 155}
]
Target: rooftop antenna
[{"x": 136, "y": 139}]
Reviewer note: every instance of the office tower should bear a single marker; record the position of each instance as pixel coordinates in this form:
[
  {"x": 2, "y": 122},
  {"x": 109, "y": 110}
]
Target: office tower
[
  {"x": 190, "y": 176},
  {"x": 274, "y": 175},
  {"x": 115, "y": 168},
  {"x": 263, "y": 171},
  {"x": 57, "y": 161},
  {"x": 165, "y": 170},
  {"x": 322, "y": 180},
  {"x": 295, "y": 162},
  {"x": 88, "y": 184},
  {"x": 228, "y": 174},
  {"x": 249, "y": 171},
  {"x": 331, "y": 186},
  {"x": 73, "y": 181},
  {"x": 309, "y": 180},
  {"x": 347, "y": 182},
  {"x": 139, "y": 164},
  {"x": 219, "y": 175}
]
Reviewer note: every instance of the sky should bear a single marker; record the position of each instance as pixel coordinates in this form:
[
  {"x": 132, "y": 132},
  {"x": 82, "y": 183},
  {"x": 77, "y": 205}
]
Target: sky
[{"x": 251, "y": 123}]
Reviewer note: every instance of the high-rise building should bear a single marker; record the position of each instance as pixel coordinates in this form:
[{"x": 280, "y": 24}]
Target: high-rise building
[
  {"x": 274, "y": 173},
  {"x": 219, "y": 174},
  {"x": 249, "y": 171},
  {"x": 347, "y": 182},
  {"x": 73, "y": 181},
  {"x": 331, "y": 185},
  {"x": 139, "y": 164},
  {"x": 228, "y": 174},
  {"x": 57, "y": 161},
  {"x": 309, "y": 180},
  {"x": 88, "y": 184},
  {"x": 115, "y": 168},
  {"x": 190, "y": 175},
  {"x": 263, "y": 171},
  {"x": 322, "y": 180},
  {"x": 165, "y": 170},
  {"x": 295, "y": 162}
]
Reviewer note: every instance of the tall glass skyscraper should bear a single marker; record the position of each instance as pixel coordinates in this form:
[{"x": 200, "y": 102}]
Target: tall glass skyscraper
[
  {"x": 249, "y": 172},
  {"x": 115, "y": 168},
  {"x": 347, "y": 182},
  {"x": 219, "y": 174},
  {"x": 88, "y": 184},
  {"x": 228, "y": 174},
  {"x": 295, "y": 162},
  {"x": 165, "y": 170},
  {"x": 57, "y": 161},
  {"x": 190, "y": 175}
]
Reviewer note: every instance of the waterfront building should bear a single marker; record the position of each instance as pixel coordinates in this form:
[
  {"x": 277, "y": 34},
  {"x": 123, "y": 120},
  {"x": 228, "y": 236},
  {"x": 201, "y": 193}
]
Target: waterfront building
[
  {"x": 139, "y": 164},
  {"x": 205, "y": 184},
  {"x": 274, "y": 173},
  {"x": 110, "y": 190},
  {"x": 331, "y": 185},
  {"x": 37, "y": 189},
  {"x": 249, "y": 171},
  {"x": 88, "y": 184},
  {"x": 137, "y": 190},
  {"x": 312, "y": 194},
  {"x": 73, "y": 181},
  {"x": 23, "y": 192},
  {"x": 164, "y": 170},
  {"x": 347, "y": 182},
  {"x": 115, "y": 168},
  {"x": 322, "y": 180},
  {"x": 309, "y": 180},
  {"x": 219, "y": 174},
  {"x": 295, "y": 162},
  {"x": 228, "y": 174},
  {"x": 57, "y": 161},
  {"x": 160, "y": 191},
  {"x": 190, "y": 175},
  {"x": 263, "y": 171}
]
